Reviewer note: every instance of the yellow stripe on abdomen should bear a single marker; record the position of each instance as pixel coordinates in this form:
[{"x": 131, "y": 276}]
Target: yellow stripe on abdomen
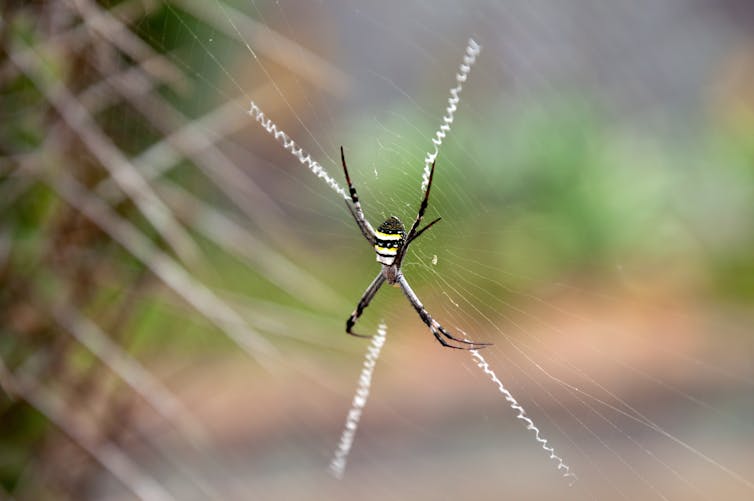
[
  {"x": 388, "y": 236},
  {"x": 391, "y": 251}
]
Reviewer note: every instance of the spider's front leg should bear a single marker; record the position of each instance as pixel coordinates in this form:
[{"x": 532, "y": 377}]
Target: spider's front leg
[
  {"x": 356, "y": 210},
  {"x": 363, "y": 303},
  {"x": 413, "y": 233},
  {"x": 439, "y": 332}
]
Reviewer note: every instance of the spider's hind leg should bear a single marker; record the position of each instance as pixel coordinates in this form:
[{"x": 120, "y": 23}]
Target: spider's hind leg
[
  {"x": 440, "y": 334},
  {"x": 437, "y": 330},
  {"x": 472, "y": 345},
  {"x": 363, "y": 303}
]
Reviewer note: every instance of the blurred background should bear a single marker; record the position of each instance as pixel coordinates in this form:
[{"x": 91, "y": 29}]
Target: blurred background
[{"x": 174, "y": 284}]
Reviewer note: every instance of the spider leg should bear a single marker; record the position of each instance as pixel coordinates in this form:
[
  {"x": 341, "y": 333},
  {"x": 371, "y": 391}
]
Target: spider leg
[
  {"x": 439, "y": 332},
  {"x": 355, "y": 210},
  {"x": 424, "y": 204},
  {"x": 422, "y": 209},
  {"x": 416, "y": 235},
  {"x": 364, "y": 230},
  {"x": 363, "y": 303}
]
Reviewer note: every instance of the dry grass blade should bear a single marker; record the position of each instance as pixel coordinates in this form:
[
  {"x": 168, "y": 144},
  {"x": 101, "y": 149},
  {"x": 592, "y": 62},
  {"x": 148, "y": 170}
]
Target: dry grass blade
[
  {"x": 77, "y": 117},
  {"x": 99, "y": 95},
  {"x": 196, "y": 137},
  {"x": 241, "y": 243},
  {"x": 164, "y": 267},
  {"x": 196, "y": 140},
  {"x": 109, "y": 27},
  {"x": 135, "y": 375},
  {"x": 51, "y": 62},
  {"x": 110, "y": 456},
  {"x": 79, "y": 35}
]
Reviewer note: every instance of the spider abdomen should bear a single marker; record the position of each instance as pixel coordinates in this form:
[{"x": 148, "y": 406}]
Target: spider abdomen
[{"x": 389, "y": 238}]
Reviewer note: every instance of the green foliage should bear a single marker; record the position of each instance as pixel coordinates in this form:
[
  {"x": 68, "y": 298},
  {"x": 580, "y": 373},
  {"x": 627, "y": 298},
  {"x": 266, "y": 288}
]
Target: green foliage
[
  {"x": 552, "y": 189},
  {"x": 21, "y": 426}
]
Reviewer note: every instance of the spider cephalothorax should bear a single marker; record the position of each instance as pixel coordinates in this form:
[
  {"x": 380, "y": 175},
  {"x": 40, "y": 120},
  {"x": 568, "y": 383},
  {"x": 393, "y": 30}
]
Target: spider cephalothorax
[{"x": 390, "y": 242}]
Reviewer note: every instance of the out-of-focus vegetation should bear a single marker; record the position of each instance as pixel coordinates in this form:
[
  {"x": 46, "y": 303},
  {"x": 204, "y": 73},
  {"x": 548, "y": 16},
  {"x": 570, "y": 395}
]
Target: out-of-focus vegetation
[
  {"x": 553, "y": 188},
  {"x": 569, "y": 192}
]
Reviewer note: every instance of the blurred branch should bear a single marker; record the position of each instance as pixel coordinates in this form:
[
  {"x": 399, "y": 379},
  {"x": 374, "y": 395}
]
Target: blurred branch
[
  {"x": 109, "y": 27},
  {"x": 99, "y": 95},
  {"x": 78, "y": 36},
  {"x": 196, "y": 141},
  {"x": 164, "y": 267},
  {"x": 140, "y": 380},
  {"x": 128, "y": 178},
  {"x": 241, "y": 243},
  {"x": 111, "y": 457}
]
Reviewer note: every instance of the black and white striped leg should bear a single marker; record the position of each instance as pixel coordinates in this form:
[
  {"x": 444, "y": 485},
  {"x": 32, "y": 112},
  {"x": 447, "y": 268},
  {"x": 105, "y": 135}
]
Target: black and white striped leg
[
  {"x": 356, "y": 211},
  {"x": 363, "y": 303},
  {"x": 439, "y": 332},
  {"x": 422, "y": 209},
  {"x": 416, "y": 235}
]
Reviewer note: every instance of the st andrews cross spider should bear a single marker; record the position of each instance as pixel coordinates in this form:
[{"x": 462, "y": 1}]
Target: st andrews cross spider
[{"x": 391, "y": 242}]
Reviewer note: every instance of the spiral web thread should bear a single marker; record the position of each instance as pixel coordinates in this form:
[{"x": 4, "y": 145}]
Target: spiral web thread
[
  {"x": 290, "y": 145},
  {"x": 472, "y": 51},
  {"x": 338, "y": 463},
  {"x": 482, "y": 364}
]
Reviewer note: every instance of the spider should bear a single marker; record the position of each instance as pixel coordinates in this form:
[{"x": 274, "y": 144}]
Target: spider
[{"x": 390, "y": 243}]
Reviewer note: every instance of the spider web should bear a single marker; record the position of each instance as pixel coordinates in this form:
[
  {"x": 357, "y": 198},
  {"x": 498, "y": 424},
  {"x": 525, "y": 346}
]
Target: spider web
[{"x": 577, "y": 204}]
